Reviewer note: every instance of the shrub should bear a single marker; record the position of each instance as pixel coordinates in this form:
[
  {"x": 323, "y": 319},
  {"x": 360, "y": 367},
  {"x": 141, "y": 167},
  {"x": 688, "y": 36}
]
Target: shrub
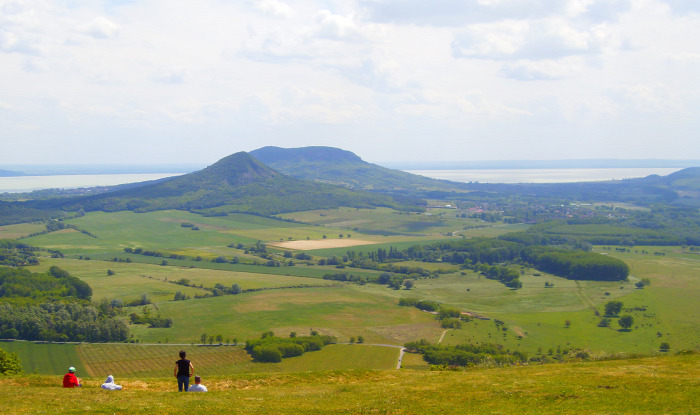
[{"x": 9, "y": 363}]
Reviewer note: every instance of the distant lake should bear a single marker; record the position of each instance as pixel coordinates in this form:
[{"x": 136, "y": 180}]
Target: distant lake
[
  {"x": 542, "y": 175},
  {"x": 29, "y": 183}
]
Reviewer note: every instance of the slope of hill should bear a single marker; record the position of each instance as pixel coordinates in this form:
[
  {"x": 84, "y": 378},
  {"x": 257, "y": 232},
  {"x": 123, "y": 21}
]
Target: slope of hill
[
  {"x": 341, "y": 167},
  {"x": 636, "y": 386},
  {"x": 238, "y": 181}
]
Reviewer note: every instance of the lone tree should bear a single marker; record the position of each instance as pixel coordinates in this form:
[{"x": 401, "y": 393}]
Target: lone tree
[
  {"x": 665, "y": 347},
  {"x": 626, "y": 322},
  {"x": 613, "y": 308}
]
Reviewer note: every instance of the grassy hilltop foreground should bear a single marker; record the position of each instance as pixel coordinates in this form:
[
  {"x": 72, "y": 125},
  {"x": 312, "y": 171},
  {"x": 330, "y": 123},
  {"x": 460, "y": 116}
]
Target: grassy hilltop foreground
[{"x": 640, "y": 386}]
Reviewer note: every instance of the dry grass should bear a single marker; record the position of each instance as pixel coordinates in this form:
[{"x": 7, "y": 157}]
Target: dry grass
[
  {"x": 638, "y": 386},
  {"x": 322, "y": 244}
]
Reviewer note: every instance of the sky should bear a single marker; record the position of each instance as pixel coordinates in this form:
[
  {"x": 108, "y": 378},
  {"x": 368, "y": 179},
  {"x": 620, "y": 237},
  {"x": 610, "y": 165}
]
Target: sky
[{"x": 154, "y": 82}]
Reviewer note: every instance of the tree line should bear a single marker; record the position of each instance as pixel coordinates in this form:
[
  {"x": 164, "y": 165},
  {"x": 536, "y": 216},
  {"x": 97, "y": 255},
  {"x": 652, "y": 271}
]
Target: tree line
[{"x": 465, "y": 354}]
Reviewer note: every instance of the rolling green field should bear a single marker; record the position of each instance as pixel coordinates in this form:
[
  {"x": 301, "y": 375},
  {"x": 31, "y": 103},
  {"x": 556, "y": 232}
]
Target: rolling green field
[
  {"x": 665, "y": 311},
  {"x": 384, "y": 221},
  {"x": 131, "y": 280},
  {"x": 297, "y": 299},
  {"x": 637, "y": 386},
  {"x": 162, "y": 230},
  {"x": 341, "y": 311}
]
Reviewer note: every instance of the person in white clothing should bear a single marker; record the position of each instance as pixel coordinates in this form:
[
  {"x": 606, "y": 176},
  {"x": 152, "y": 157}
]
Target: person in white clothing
[
  {"x": 110, "y": 385},
  {"x": 197, "y": 387}
]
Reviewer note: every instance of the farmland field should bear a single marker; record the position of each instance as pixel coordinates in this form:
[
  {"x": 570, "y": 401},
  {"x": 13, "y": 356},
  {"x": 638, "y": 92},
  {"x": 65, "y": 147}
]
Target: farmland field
[
  {"x": 340, "y": 311},
  {"x": 322, "y": 244},
  {"x": 157, "y": 361},
  {"x": 135, "y": 360},
  {"x": 132, "y": 280},
  {"x": 384, "y": 221},
  {"x": 19, "y": 230},
  {"x": 297, "y": 299},
  {"x": 49, "y": 359},
  {"x": 162, "y": 230}
]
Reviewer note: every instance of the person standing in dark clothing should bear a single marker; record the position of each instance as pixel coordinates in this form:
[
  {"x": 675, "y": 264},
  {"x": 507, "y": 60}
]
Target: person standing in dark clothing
[{"x": 183, "y": 371}]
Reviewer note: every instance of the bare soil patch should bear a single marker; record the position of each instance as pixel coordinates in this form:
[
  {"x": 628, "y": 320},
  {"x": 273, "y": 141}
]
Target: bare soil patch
[{"x": 321, "y": 244}]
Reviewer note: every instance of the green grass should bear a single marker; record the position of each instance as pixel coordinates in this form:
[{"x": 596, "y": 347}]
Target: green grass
[
  {"x": 335, "y": 357},
  {"x": 130, "y": 281},
  {"x": 670, "y": 307},
  {"x": 635, "y": 386},
  {"x": 44, "y": 358},
  {"x": 384, "y": 221},
  {"x": 341, "y": 311},
  {"x": 20, "y": 230},
  {"x": 161, "y": 231}
]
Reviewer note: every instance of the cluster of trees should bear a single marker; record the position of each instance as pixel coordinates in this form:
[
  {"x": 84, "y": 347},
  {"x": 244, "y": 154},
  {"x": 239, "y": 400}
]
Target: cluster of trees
[
  {"x": 576, "y": 265},
  {"x": 465, "y": 354},
  {"x": 273, "y": 349},
  {"x": 395, "y": 281},
  {"x": 658, "y": 226},
  {"x": 613, "y": 309},
  {"x": 17, "y": 254},
  {"x": 508, "y": 276},
  {"x": 450, "y": 318},
  {"x": 153, "y": 321},
  {"x": 59, "y": 321},
  {"x": 476, "y": 253},
  {"x": 18, "y": 285},
  {"x": 19, "y": 212},
  {"x": 54, "y": 306}
]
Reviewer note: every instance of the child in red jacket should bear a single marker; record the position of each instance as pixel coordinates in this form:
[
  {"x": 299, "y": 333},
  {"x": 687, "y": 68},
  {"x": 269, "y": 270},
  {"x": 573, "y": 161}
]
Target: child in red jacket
[{"x": 70, "y": 380}]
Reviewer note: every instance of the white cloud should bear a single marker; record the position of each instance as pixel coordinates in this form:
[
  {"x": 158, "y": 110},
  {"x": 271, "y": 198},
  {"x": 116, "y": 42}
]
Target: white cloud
[
  {"x": 542, "y": 39},
  {"x": 171, "y": 76},
  {"x": 535, "y": 70},
  {"x": 337, "y": 27},
  {"x": 381, "y": 77},
  {"x": 683, "y": 7},
  {"x": 100, "y": 28},
  {"x": 273, "y": 8}
]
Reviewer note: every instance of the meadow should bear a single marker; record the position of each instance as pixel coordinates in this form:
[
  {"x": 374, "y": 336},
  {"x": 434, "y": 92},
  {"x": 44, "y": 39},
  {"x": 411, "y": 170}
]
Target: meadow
[
  {"x": 639, "y": 386},
  {"x": 340, "y": 311}
]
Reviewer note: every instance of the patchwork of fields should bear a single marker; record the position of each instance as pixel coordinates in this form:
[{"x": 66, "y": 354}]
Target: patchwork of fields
[{"x": 537, "y": 318}]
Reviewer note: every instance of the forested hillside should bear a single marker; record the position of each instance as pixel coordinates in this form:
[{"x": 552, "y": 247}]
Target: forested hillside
[
  {"x": 333, "y": 165},
  {"x": 237, "y": 183}
]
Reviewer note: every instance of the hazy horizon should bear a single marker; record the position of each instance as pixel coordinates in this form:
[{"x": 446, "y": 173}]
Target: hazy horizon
[{"x": 100, "y": 169}]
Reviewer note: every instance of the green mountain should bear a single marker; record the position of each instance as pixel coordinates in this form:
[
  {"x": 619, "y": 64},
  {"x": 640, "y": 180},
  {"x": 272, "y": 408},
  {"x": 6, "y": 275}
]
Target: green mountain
[
  {"x": 341, "y": 167},
  {"x": 237, "y": 183}
]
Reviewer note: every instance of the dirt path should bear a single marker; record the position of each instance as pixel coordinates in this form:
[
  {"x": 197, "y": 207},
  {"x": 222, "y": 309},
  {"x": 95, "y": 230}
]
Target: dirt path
[
  {"x": 443, "y": 335},
  {"x": 401, "y": 352},
  {"x": 585, "y": 299}
]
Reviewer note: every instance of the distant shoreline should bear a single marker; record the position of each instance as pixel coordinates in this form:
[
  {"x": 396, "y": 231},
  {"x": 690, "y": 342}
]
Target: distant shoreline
[
  {"x": 541, "y": 164},
  {"x": 95, "y": 169}
]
